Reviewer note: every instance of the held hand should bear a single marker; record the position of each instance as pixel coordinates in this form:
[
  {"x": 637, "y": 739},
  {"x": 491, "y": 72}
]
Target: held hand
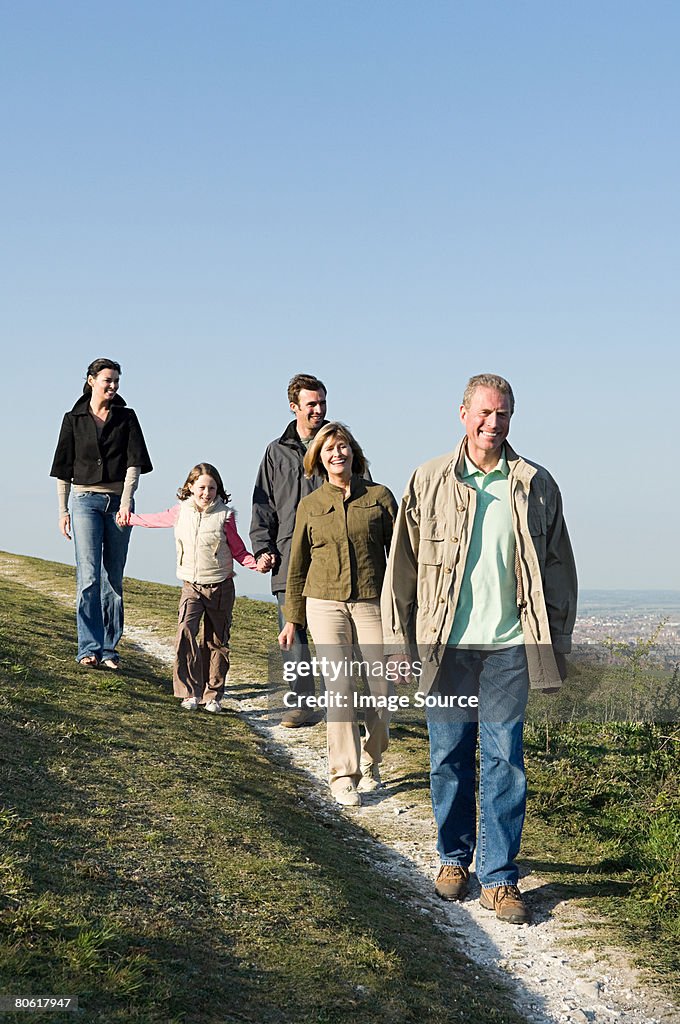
[
  {"x": 287, "y": 636},
  {"x": 123, "y": 517},
  {"x": 400, "y": 664},
  {"x": 264, "y": 563},
  {"x": 65, "y": 526}
]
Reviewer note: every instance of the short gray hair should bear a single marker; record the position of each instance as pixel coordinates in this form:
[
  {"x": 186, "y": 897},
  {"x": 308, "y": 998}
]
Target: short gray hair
[{"x": 488, "y": 380}]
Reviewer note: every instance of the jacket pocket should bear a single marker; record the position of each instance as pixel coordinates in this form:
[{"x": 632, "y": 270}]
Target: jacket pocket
[
  {"x": 321, "y": 527},
  {"x": 537, "y": 529},
  {"x": 431, "y": 545},
  {"x": 368, "y": 520}
]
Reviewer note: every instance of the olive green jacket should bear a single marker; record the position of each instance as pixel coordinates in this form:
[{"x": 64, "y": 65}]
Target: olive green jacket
[
  {"x": 427, "y": 562},
  {"x": 339, "y": 546}
]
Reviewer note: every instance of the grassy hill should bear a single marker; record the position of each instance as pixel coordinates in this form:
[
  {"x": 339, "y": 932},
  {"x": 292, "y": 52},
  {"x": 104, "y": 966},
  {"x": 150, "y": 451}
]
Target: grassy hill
[
  {"x": 160, "y": 867},
  {"x": 163, "y": 868}
]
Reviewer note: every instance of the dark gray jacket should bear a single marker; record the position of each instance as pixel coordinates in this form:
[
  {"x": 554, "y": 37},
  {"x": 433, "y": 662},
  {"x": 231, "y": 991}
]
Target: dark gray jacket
[{"x": 279, "y": 488}]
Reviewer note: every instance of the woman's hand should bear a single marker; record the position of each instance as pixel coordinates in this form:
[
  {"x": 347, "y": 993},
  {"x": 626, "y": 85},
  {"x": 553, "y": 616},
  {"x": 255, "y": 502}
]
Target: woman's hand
[
  {"x": 65, "y": 525},
  {"x": 287, "y": 636},
  {"x": 264, "y": 563},
  {"x": 123, "y": 516}
]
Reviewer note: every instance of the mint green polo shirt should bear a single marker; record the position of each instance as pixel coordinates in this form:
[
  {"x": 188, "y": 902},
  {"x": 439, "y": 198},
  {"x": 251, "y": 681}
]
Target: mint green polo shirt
[{"x": 487, "y": 611}]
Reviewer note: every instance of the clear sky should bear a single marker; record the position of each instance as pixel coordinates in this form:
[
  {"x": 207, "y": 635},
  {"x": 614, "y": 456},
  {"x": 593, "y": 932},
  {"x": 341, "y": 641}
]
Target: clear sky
[{"x": 390, "y": 195}]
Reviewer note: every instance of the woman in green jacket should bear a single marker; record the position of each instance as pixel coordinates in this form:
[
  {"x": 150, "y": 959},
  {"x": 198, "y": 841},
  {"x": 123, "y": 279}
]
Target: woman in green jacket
[{"x": 337, "y": 564}]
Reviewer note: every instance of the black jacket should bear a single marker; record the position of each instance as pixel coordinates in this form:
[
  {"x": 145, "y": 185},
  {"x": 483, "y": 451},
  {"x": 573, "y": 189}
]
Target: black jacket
[{"x": 82, "y": 458}]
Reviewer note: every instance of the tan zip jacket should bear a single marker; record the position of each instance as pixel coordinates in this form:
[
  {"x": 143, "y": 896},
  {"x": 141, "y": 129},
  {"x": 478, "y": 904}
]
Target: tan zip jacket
[{"x": 427, "y": 560}]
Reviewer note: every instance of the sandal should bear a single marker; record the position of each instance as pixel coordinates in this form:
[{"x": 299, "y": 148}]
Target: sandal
[
  {"x": 112, "y": 663},
  {"x": 89, "y": 661}
]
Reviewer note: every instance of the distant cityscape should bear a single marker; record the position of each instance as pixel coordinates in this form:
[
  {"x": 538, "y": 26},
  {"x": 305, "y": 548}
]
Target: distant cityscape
[
  {"x": 627, "y": 616},
  {"x": 621, "y": 616}
]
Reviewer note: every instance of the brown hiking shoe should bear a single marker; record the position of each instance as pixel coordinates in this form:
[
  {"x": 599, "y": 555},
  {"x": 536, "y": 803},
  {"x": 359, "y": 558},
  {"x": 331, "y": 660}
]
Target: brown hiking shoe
[
  {"x": 507, "y": 901},
  {"x": 452, "y": 882},
  {"x": 296, "y": 717}
]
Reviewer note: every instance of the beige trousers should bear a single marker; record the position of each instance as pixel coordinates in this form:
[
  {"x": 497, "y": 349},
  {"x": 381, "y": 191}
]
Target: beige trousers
[{"x": 348, "y": 632}]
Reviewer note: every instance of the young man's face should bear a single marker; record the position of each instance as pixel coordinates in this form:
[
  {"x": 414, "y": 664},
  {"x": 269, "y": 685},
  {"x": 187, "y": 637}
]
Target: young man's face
[
  {"x": 487, "y": 423},
  {"x": 310, "y": 412}
]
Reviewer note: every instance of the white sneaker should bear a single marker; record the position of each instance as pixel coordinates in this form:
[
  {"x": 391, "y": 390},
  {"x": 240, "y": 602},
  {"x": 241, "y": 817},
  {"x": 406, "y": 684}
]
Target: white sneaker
[
  {"x": 347, "y": 796},
  {"x": 370, "y": 778},
  {"x": 214, "y": 707},
  {"x": 190, "y": 704}
]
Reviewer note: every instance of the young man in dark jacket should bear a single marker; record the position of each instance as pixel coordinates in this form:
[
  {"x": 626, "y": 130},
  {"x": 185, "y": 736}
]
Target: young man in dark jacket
[{"x": 279, "y": 487}]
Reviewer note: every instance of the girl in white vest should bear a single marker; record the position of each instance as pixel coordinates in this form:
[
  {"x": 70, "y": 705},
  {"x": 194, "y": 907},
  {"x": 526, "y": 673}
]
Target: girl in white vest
[{"x": 207, "y": 543}]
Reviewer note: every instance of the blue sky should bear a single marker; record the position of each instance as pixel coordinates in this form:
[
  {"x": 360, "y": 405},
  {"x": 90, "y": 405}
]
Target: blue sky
[{"x": 393, "y": 196}]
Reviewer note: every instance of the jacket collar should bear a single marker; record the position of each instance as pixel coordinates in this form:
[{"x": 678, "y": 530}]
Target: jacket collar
[
  {"x": 215, "y": 506},
  {"x": 520, "y": 469},
  {"x": 290, "y": 434},
  {"x": 82, "y": 406},
  {"x": 357, "y": 488}
]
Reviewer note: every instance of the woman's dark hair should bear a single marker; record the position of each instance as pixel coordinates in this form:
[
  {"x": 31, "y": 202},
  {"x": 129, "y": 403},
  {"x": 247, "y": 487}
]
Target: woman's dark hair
[
  {"x": 202, "y": 469},
  {"x": 95, "y": 367}
]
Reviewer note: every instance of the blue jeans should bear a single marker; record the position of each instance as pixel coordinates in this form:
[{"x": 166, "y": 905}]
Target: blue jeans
[
  {"x": 501, "y": 681},
  {"x": 101, "y": 550}
]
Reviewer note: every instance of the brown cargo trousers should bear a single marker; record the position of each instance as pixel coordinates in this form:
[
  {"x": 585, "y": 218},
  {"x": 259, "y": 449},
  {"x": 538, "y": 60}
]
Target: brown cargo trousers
[{"x": 202, "y": 663}]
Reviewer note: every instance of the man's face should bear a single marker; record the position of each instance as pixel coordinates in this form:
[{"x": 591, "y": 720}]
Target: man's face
[
  {"x": 310, "y": 411},
  {"x": 487, "y": 423}
]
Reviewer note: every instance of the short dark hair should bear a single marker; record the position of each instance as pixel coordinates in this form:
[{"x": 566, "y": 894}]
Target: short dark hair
[
  {"x": 303, "y": 382},
  {"x": 313, "y": 463},
  {"x": 201, "y": 469},
  {"x": 95, "y": 367}
]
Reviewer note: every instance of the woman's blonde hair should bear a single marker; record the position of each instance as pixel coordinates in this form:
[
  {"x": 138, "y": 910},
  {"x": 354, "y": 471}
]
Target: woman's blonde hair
[
  {"x": 313, "y": 463},
  {"x": 202, "y": 469}
]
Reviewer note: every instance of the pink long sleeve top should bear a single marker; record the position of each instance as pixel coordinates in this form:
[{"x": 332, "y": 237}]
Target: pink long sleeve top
[{"x": 160, "y": 520}]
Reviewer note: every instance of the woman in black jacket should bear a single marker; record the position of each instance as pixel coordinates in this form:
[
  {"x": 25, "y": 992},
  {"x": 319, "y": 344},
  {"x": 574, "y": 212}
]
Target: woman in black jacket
[{"x": 100, "y": 453}]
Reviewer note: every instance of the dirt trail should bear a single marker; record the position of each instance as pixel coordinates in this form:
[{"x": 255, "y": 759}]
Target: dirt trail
[{"x": 553, "y": 982}]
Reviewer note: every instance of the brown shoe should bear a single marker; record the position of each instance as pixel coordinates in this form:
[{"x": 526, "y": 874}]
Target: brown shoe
[
  {"x": 452, "y": 882},
  {"x": 507, "y": 901},
  {"x": 299, "y": 716}
]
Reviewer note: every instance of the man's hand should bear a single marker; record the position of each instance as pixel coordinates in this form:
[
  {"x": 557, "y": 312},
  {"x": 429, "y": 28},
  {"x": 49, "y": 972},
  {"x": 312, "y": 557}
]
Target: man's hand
[
  {"x": 65, "y": 525},
  {"x": 123, "y": 516},
  {"x": 265, "y": 562},
  {"x": 287, "y": 636}
]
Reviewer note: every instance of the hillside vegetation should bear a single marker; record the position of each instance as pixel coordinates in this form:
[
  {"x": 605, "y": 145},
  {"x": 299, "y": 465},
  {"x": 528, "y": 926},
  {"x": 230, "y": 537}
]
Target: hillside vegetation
[
  {"x": 163, "y": 868},
  {"x": 160, "y": 867}
]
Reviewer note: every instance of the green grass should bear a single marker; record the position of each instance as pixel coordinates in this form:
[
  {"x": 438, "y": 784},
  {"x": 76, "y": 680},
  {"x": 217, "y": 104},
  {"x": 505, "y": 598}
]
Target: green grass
[
  {"x": 605, "y": 826},
  {"x": 160, "y": 867}
]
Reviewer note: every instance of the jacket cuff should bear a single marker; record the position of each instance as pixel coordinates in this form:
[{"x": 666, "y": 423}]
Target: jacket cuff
[{"x": 561, "y": 642}]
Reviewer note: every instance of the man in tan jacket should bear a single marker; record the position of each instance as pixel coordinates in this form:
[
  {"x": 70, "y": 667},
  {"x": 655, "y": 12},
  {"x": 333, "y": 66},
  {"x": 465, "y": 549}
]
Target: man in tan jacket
[{"x": 481, "y": 590}]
